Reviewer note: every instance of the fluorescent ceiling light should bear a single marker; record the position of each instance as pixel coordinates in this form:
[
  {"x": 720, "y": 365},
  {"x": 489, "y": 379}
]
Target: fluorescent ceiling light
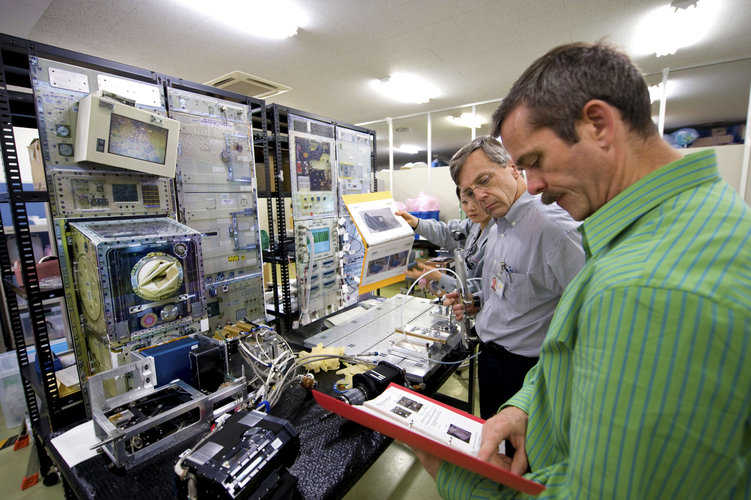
[
  {"x": 468, "y": 120},
  {"x": 408, "y": 149},
  {"x": 668, "y": 28},
  {"x": 655, "y": 91},
  {"x": 404, "y": 87},
  {"x": 276, "y": 19}
]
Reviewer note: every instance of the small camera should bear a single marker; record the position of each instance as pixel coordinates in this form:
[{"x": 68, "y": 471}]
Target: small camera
[{"x": 373, "y": 382}]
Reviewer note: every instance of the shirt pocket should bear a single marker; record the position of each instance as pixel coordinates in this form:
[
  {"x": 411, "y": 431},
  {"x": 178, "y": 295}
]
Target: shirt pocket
[{"x": 518, "y": 291}]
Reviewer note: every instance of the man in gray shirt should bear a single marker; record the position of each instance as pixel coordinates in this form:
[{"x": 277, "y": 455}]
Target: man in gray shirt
[{"x": 533, "y": 252}]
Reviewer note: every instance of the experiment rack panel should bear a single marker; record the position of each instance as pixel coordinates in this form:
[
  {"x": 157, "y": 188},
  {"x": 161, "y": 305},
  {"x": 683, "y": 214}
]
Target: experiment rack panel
[
  {"x": 18, "y": 109},
  {"x": 282, "y": 250}
]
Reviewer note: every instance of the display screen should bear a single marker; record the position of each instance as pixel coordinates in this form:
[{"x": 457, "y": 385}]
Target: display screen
[
  {"x": 124, "y": 192},
  {"x": 321, "y": 242},
  {"x": 138, "y": 140}
]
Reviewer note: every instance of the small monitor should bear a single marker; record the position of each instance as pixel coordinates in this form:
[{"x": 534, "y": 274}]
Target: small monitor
[
  {"x": 122, "y": 193},
  {"x": 111, "y": 132},
  {"x": 321, "y": 242}
]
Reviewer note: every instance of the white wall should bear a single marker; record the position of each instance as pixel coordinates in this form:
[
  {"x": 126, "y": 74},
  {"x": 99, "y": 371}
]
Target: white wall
[
  {"x": 24, "y": 136},
  {"x": 729, "y": 162},
  {"x": 409, "y": 183}
]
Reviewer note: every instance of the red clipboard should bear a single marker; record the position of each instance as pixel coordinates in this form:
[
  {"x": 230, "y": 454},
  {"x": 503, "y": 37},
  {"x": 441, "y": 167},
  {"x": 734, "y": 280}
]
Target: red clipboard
[{"x": 417, "y": 440}]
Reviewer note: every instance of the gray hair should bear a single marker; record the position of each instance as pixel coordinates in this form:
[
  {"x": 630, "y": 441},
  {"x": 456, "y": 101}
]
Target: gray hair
[{"x": 490, "y": 145}]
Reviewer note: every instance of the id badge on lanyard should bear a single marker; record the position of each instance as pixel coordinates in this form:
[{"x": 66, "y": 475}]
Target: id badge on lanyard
[{"x": 501, "y": 278}]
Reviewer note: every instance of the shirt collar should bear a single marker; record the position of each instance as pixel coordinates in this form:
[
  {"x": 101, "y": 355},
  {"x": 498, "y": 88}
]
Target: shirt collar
[
  {"x": 519, "y": 208},
  {"x": 599, "y": 229}
]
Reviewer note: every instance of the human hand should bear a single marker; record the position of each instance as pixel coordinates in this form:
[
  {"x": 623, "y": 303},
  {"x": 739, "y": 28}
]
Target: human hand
[
  {"x": 421, "y": 268},
  {"x": 510, "y": 424},
  {"x": 453, "y": 299},
  {"x": 430, "y": 462},
  {"x": 411, "y": 219}
]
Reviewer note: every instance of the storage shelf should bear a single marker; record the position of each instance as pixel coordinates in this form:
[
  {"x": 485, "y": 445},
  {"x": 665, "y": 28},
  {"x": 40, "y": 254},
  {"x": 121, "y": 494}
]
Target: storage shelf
[
  {"x": 45, "y": 293},
  {"x": 27, "y": 197},
  {"x": 70, "y": 407}
]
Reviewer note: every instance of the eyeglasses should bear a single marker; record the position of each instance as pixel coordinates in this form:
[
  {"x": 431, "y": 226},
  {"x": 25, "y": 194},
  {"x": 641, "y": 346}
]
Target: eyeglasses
[
  {"x": 469, "y": 201},
  {"x": 483, "y": 183}
]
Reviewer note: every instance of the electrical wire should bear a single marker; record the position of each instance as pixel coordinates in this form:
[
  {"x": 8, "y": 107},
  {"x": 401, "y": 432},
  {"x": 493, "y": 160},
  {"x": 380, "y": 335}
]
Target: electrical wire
[
  {"x": 352, "y": 260},
  {"x": 353, "y": 236},
  {"x": 276, "y": 366},
  {"x": 303, "y": 289}
]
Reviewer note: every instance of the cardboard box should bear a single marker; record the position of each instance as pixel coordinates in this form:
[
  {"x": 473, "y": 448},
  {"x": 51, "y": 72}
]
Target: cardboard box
[
  {"x": 441, "y": 262},
  {"x": 719, "y": 140},
  {"x": 37, "y": 166}
]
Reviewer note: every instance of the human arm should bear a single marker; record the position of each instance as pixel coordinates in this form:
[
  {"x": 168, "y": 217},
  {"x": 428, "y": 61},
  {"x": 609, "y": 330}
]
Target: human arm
[
  {"x": 564, "y": 261},
  {"x": 446, "y": 283},
  {"x": 458, "y": 308},
  {"x": 440, "y": 233},
  {"x": 411, "y": 219},
  {"x": 509, "y": 424},
  {"x": 654, "y": 411},
  {"x": 430, "y": 463},
  {"x": 654, "y": 391},
  {"x": 419, "y": 269},
  {"x": 452, "y": 481}
]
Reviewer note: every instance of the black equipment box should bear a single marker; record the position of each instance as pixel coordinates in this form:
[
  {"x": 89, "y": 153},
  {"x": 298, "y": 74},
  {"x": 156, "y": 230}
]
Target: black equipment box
[{"x": 245, "y": 458}]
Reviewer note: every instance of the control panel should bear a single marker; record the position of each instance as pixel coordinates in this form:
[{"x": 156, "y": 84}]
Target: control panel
[
  {"x": 216, "y": 191},
  {"x": 77, "y": 192},
  {"x": 318, "y": 280},
  {"x": 354, "y": 159},
  {"x": 58, "y": 90},
  {"x": 313, "y": 167}
]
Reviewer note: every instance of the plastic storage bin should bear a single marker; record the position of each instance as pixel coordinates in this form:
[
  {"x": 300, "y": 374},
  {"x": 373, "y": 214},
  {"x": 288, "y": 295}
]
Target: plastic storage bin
[
  {"x": 12, "y": 400},
  {"x": 432, "y": 214},
  {"x": 54, "y": 320},
  {"x": 57, "y": 347}
]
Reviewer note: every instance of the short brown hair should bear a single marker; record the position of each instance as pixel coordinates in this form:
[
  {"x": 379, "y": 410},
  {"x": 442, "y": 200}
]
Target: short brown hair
[{"x": 556, "y": 87}]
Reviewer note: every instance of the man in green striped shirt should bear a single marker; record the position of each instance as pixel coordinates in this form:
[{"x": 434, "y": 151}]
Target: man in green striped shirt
[{"x": 643, "y": 387}]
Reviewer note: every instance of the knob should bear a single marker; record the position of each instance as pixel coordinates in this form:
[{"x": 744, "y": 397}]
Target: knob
[{"x": 169, "y": 312}]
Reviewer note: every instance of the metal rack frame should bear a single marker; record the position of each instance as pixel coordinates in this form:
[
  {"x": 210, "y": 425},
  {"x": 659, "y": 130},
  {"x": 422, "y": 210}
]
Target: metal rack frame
[
  {"x": 281, "y": 249},
  {"x": 31, "y": 291},
  {"x": 18, "y": 109}
]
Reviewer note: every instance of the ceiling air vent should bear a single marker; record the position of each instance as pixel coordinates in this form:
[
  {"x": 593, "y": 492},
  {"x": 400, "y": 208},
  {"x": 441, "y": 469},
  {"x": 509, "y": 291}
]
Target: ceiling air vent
[{"x": 246, "y": 84}]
